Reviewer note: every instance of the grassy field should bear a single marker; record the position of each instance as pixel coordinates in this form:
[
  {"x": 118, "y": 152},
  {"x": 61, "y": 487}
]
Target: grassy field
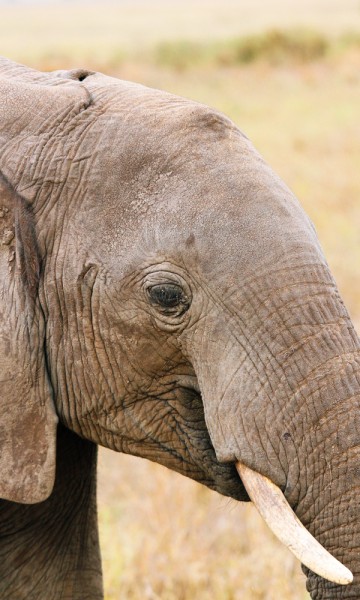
[{"x": 164, "y": 537}]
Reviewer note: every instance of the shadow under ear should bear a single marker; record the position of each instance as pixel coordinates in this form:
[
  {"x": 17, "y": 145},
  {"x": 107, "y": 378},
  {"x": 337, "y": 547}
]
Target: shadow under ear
[{"x": 27, "y": 416}]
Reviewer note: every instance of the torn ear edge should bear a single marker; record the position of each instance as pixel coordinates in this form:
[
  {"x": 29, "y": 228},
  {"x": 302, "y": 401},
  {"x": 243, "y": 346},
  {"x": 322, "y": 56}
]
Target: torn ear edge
[{"x": 28, "y": 420}]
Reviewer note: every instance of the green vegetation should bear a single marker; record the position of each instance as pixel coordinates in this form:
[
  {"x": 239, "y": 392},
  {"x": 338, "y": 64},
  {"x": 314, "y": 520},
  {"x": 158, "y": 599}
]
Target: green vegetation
[
  {"x": 180, "y": 33},
  {"x": 274, "y": 47},
  {"x": 278, "y": 47}
]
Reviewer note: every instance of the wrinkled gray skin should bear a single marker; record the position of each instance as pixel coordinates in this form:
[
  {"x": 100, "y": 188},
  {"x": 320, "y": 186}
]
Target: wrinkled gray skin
[{"x": 118, "y": 201}]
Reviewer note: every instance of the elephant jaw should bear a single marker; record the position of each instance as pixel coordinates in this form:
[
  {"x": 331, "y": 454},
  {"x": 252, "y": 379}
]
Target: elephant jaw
[{"x": 276, "y": 512}]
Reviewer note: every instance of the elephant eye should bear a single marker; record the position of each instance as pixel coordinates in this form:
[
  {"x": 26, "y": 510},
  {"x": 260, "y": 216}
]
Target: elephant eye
[{"x": 169, "y": 298}]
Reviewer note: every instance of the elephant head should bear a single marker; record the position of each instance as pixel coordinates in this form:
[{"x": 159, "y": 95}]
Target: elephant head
[{"x": 165, "y": 295}]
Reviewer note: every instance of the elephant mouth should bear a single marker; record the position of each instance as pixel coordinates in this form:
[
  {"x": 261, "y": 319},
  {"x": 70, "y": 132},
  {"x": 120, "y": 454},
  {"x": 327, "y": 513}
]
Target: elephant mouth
[{"x": 277, "y": 513}]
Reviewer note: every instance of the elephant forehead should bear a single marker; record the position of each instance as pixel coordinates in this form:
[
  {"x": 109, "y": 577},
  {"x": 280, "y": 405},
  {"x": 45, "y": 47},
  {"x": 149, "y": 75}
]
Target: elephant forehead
[
  {"x": 167, "y": 171},
  {"x": 151, "y": 108},
  {"x": 220, "y": 218}
]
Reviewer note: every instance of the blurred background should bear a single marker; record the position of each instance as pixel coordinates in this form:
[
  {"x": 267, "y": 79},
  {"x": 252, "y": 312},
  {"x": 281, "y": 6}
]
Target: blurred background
[{"x": 288, "y": 73}]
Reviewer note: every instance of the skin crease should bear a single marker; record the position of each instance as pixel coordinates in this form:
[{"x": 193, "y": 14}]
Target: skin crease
[{"x": 124, "y": 189}]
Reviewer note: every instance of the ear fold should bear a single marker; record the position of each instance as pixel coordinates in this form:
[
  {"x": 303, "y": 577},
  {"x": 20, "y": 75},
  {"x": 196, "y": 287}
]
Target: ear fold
[{"x": 27, "y": 416}]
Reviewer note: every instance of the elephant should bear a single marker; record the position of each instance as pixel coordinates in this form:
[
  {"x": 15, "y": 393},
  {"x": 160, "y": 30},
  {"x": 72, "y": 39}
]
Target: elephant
[{"x": 163, "y": 294}]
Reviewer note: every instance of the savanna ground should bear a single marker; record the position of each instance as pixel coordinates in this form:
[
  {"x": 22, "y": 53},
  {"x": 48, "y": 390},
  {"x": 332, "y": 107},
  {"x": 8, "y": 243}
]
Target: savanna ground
[{"x": 289, "y": 75}]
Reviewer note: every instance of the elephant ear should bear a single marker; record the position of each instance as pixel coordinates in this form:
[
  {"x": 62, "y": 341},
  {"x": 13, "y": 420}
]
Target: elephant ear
[{"x": 27, "y": 416}]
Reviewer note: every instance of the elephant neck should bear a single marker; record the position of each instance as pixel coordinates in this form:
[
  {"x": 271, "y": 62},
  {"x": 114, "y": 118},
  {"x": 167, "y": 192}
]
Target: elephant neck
[{"x": 51, "y": 549}]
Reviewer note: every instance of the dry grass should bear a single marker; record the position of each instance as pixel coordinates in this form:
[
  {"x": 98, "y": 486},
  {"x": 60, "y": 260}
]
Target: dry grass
[{"x": 165, "y": 537}]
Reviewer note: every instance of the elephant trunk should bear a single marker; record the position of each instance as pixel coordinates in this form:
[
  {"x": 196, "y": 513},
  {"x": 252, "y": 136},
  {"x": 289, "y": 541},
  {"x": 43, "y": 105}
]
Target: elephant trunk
[
  {"x": 334, "y": 519},
  {"x": 282, "y": 396},
  {"x": 329, "y": 506}
]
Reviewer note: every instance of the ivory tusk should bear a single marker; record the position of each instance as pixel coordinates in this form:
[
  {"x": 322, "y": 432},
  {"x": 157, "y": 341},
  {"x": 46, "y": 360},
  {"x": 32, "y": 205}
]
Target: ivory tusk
[{"x": 276, "y": 512}]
